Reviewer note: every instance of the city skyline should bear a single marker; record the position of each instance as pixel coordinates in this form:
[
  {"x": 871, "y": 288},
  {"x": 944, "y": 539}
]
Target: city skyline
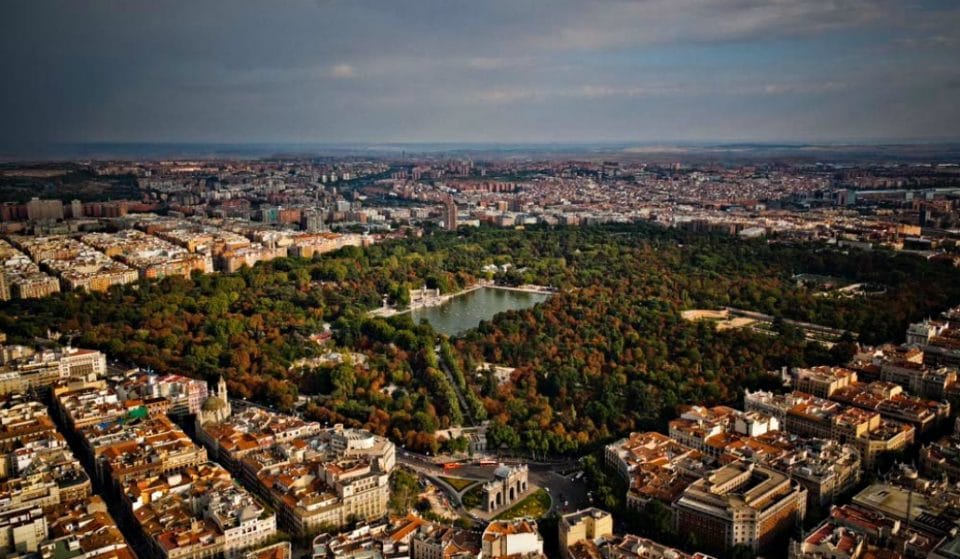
[
  {"x": 510, "y": 279},
  {"x": 518, "y": 72}
]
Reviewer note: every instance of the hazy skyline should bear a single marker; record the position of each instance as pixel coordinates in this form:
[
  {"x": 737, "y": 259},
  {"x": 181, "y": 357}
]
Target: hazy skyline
[{"x": 445, "y": 71}]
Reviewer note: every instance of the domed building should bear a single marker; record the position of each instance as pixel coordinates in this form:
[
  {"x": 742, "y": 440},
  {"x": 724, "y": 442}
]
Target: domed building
[{"x": 216, "y": 408}]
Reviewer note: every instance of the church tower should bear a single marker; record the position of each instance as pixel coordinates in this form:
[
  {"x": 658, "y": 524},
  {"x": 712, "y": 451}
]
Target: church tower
[{"x": 216, "y": 408}]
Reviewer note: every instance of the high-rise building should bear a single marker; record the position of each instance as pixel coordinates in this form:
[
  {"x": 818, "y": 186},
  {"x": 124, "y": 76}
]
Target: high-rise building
[
  {"x": 311, "y": 221},
  {"x": 450, "y": 214},
  {"x": 44, "y": 210}
]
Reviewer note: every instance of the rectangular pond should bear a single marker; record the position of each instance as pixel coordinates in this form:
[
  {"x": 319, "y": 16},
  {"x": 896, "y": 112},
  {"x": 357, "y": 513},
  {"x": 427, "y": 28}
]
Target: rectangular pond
[{"x": 464, "y": 312}]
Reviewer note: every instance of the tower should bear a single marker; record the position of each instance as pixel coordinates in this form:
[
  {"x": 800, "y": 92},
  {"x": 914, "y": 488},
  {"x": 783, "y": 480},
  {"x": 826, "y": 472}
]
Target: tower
[
  {"x": 222, "y": 389},
  {"x": 450, "y": 214}
]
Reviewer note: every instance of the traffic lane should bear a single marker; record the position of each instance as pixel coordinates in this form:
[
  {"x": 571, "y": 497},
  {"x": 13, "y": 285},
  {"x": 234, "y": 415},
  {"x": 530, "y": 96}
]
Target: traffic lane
[
  {"x": 542, "y": 476},
  {"x": 474, "y": 471},
  {"x": 564, "y": 490},
  {"x": 565, "y": 493},
  {"x": 563, "y": 465}
]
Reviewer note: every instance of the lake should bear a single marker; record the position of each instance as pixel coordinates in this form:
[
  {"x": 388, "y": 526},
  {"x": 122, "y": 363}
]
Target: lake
[{"x": 466, "y": 311}]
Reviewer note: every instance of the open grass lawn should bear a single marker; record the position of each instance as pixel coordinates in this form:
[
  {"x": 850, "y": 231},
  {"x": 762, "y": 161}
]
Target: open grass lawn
[
  {"x": 458, "y": 483},
  {"x": 473, "y": 497},
  {"x": 534, "y": 506}
]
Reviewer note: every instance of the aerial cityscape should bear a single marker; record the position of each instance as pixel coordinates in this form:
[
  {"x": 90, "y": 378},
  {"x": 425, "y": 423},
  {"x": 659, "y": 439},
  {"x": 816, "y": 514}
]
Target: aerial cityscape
[{"x": 441, "y": 280}]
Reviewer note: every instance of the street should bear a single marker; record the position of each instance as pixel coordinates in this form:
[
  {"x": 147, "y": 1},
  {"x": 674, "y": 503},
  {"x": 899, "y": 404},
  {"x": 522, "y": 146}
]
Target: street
[{"x": 565, "y": 493}]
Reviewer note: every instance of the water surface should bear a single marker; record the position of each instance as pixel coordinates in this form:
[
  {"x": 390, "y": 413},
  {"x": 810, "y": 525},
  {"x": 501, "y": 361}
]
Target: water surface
[{"x": 466, "y": 311}]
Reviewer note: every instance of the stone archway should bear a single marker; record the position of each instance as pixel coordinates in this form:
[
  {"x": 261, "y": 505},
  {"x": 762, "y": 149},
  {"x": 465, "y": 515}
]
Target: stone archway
[{"x": 508, "y": 485}]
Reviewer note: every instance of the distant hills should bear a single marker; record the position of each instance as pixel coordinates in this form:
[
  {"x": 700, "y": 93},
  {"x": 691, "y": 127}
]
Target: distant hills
[{"x": 909, "y": 152}]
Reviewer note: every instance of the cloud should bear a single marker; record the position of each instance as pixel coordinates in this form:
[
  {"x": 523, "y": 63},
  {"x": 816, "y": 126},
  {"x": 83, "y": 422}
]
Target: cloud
[
  {"x": 925, "y": 42},
  {"x": 343, "y": 71},
  {"x": 499, "y": 63},
  {"x": 508, "y": 95},
  {"x": 241, "y": 70},
  {"x": 795, "y": 88},
  {"x": 625, "y": 24},
  {"x": 504, "y": 96}
]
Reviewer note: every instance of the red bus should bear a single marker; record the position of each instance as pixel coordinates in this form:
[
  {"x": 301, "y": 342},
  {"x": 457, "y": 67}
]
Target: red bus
[{"x": 451, "y": 465}]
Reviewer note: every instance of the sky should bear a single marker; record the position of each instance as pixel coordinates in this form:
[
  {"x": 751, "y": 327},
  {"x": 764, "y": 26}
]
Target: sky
[{"x": 332, "y": 71}]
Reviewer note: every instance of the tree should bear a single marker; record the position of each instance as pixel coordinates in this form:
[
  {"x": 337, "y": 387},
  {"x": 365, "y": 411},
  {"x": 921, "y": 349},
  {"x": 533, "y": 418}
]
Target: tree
[
  {"x": 657, "y": 520},
  {"x": 344, "y": 379},
  {"x": 404, "y": 491},
  {"x": 610, "y": 353},
  {"x": 742, "y": 551}
]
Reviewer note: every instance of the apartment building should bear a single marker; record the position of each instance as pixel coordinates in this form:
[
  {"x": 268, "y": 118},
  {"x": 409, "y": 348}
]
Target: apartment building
[
  {"x": 823, "y": 381},
  {"x": 810, "y": 416},
  {"x": 886, "y": 437},
  {"x": 249, "y": 430},
  {"x": 76, "y": 264},
  {"x": 588, "y": 526},
  {"x": 84, "y": 530},
  {"x": 826, "y": 468},
  {"x": 44, "y": 210},
  {"x": 21, "y": 278},
  {"x": 313, "y": 478},
  {"x": 710, "y": 430},
  {"x": 432, "y": 541},
  {"x": 385, "y": 538},
  {"x": 40, "y": 370},
  {"x": 196, "y": 513},
  {"x": 315, "y": 489},
  {"x": 151, "y": 256},
  {"x": 740, "y": 504},
  {"x": 233, "y": 260},
  {"x": 939, "y": 340},
  {"x": 855, "y": 532},
  {"x": 890, "y": 400},
  {"x": 279, "y": 550},
  {"x": 942, "y": 458},
  {"x": 203, "y": 239},
  {"x": 655, "y": 466},
  {"x": 185, "y": 395},
  {"x": 918, "y": 378},
  {"x": 38, "y": 476},
  {"x": 516, "y": 539},
  {"x": 635, "y": 547},
  {"x": 183, "y": 506},
  {"x": 151, "y": 445},
  {"x": 308, "y": 245}
]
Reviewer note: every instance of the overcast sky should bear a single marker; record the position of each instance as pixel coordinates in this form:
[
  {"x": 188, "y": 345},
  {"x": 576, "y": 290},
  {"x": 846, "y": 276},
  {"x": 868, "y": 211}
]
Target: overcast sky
[{"x": 479, "y": 71}]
